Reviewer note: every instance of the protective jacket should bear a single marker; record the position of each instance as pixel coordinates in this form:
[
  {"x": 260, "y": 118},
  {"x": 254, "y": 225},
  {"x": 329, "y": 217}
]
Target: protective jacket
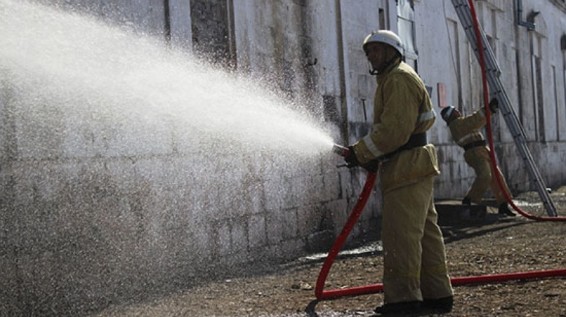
[
  {"x": 402, "y": 109},
  {"x": 466, "y": 130}
]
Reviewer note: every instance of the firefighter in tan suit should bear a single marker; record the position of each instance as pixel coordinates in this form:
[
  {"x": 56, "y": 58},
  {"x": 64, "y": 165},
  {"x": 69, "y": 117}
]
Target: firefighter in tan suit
[
  {"x": 465, "y": 131},
  {"x": 415, "y": 277}
]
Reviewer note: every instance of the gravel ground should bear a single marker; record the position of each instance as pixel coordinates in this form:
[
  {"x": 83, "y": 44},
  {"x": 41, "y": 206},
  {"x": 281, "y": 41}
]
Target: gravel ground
[{"x": 489, "y": 246}]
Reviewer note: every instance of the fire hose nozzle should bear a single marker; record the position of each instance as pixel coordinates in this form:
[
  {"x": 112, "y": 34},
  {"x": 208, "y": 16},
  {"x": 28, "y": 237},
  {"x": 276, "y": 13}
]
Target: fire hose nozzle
[{"x": 340, "y": 150}]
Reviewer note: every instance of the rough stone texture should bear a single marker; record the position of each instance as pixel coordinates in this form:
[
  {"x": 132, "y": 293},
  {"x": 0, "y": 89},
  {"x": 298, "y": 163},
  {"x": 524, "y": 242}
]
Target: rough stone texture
[
  {"x": 475, "y": 248},
  {"x": 90, "y": 219}
]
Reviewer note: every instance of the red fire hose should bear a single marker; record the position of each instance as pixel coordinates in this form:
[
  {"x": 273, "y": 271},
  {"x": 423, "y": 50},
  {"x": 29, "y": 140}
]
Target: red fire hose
[
  {"x": 337, "y": 246},
  {"x": 322, "y": 294}
]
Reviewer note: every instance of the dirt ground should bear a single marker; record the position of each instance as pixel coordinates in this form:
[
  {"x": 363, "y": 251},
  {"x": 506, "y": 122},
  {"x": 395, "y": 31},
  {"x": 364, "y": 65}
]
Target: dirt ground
[{"x": 490, "y": 246}]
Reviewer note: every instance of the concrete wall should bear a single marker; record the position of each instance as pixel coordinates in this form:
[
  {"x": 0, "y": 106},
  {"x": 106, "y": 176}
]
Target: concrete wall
[
  {"x": 89, "y": 223},
  {"x": 103, "y": 205}
]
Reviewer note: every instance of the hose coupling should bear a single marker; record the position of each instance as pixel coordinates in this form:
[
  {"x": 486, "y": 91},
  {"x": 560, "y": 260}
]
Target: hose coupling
[{"x": 340, "y": 150}]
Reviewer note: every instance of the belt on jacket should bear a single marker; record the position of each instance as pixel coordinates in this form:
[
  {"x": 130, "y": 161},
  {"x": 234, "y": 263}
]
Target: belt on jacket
[
  {"x": 416, "y": 140},
  {"x": 474, "y": 144}
]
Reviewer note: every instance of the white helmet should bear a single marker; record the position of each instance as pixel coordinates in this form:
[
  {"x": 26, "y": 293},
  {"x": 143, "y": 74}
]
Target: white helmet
[
  {"x": 446, "y": 112},
  {"x": 387, "y": 37}
]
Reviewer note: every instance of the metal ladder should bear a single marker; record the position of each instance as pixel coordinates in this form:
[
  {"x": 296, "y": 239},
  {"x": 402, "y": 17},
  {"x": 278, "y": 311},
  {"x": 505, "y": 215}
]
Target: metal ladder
[{"x": 493, "y": 71}]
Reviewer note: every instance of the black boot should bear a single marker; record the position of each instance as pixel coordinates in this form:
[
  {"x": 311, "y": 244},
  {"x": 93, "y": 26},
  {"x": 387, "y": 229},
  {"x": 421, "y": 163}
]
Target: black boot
[
  {"x": 439, "y": 305},
  {"x": 474, "y": 213},
  {"x": 396, "y": 309},
  {"x": 505, "y": 211}
]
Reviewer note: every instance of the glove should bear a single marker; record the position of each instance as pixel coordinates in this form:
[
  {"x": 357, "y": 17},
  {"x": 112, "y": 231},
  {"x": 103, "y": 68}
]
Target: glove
[
  {"x": 371, "y": 166},
  {"x": 351, "y": 159},
  {"x": 494, "y": 105}
]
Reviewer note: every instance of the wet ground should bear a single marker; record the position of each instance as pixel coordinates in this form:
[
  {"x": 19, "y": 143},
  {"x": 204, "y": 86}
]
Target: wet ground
[{"x": 476, "y": 247}]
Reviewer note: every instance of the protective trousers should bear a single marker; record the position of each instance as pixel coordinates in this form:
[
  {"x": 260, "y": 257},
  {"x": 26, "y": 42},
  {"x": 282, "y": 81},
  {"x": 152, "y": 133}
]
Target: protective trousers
[
  {"x": 414, "y": 255},
  {"x": 478, "y": 158}
]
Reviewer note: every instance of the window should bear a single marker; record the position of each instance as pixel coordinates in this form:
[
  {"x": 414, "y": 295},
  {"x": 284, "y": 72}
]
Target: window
[
  {"x": 455, "y": 59},
  {"x": 556, "y": 109},
  {"x": 563, "y": 48},
  {"x": 536, "y": 79},
  {"x": 406, "y": 25}
]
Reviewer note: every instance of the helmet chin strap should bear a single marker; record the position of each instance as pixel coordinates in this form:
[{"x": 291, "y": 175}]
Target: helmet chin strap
[{"x": 375, "y": 72}]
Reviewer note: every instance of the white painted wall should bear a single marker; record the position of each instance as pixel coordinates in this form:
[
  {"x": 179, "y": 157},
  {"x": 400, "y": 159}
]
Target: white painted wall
[
  {"x": 437, "y": 36},
  {"x": 286, "y": 205}
]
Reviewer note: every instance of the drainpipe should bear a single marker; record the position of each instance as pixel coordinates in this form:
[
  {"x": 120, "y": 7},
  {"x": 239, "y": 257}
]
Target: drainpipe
[
  {"x": 342, "y": 76},
  {"x": 232, "y": 49},
  {"x": 529, "y": 23},
  {"x": 167, "y": 22},
  {"x": 530, "y": 27}
]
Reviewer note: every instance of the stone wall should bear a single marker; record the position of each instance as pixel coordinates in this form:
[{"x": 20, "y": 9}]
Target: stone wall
[
  {"x": 107, "y": 198},
  {"x": 93, "y": 218}
]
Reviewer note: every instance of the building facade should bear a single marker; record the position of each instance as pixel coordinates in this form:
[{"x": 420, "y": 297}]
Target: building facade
[{"x": 88, "y": 222}]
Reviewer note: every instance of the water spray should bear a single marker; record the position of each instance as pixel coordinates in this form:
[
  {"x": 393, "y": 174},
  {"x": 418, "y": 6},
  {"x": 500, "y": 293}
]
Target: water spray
[{"x": 128, "y": 112}]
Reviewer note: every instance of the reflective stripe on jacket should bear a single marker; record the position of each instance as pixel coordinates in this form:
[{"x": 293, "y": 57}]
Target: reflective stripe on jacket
[{"x": 466, "y": 129}]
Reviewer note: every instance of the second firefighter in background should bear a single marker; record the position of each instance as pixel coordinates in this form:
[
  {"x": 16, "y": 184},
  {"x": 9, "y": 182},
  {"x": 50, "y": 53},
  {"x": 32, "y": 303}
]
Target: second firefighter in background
[{"x": 465, "y": 131}]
